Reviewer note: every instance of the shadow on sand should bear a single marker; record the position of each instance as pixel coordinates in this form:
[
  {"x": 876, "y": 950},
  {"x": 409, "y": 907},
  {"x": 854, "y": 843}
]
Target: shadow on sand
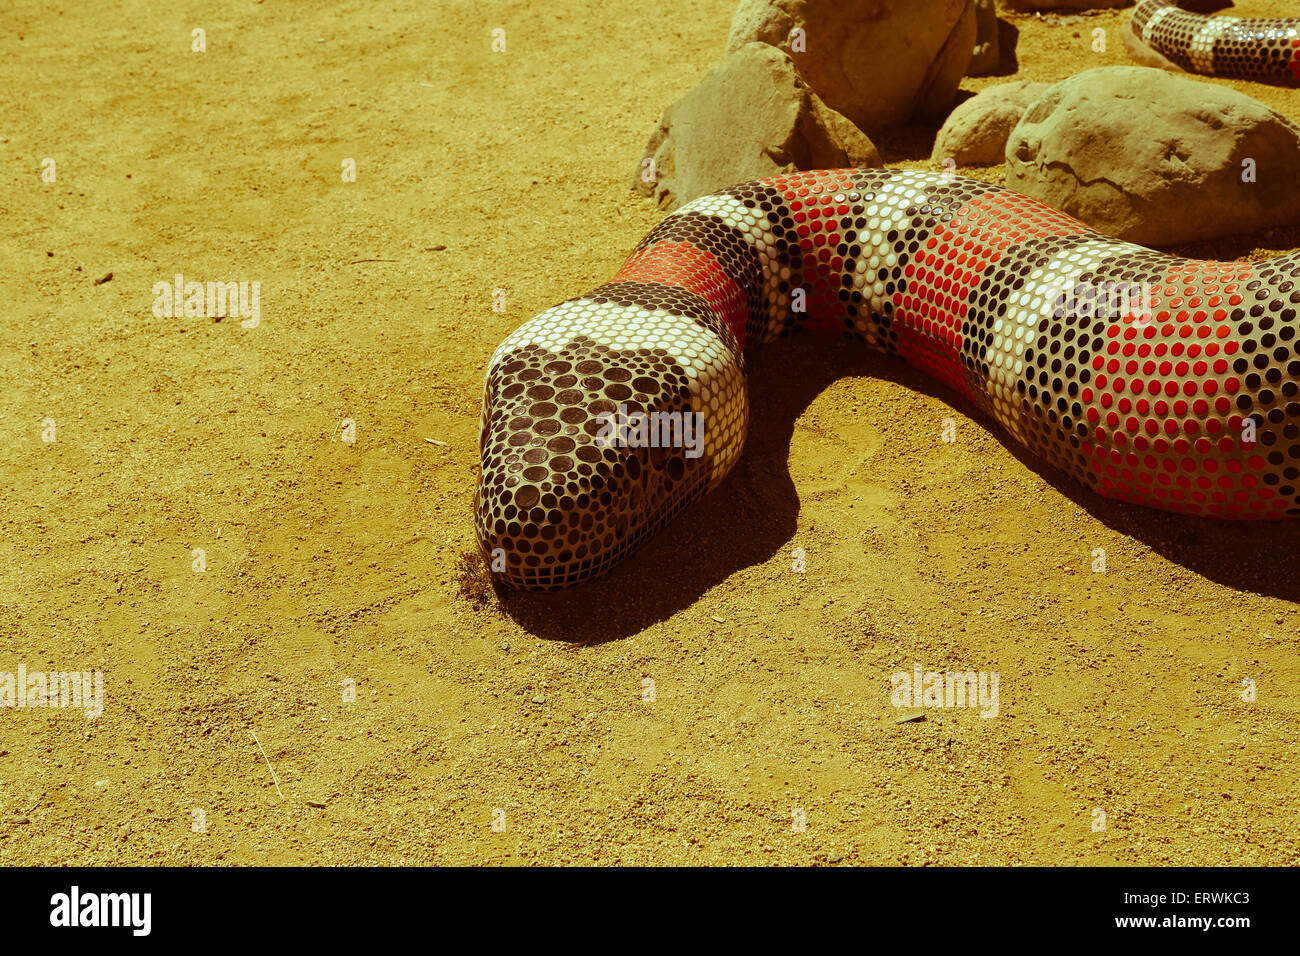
[{"x": 753, "y": 515}]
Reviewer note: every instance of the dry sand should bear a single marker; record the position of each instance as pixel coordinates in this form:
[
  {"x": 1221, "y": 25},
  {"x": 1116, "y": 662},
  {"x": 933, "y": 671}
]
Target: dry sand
[{"x": 332, "y": 563}]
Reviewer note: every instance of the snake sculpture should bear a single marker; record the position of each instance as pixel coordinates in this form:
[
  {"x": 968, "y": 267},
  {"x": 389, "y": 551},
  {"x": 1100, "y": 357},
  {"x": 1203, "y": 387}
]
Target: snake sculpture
[
  {"x": 1152, "y": 379},
  {"x": 1239, "y": 47}
]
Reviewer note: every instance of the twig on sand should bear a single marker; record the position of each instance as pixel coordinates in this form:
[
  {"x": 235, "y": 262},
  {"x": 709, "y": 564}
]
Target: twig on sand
[
  {"x": 274, "y": 778},
  {"x": 355, "y": 261}
]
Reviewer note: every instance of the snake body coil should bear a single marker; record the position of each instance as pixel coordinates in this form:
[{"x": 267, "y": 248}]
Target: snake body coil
[
  {"x": 1244, "y": 48},
  {"x": 1152, "y": 379}
]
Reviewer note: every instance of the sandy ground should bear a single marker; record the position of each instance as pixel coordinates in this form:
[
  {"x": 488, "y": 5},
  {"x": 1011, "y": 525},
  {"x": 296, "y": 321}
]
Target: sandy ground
[{"x": 331, "y": 564}]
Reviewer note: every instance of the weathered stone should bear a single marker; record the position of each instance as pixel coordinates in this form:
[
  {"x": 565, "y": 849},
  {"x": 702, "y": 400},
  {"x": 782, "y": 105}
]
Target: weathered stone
[
  {"x": 879, "y": 62},
  {"x": 1156, "y": 158},
  {"x": 750, "y": 117},
  {"x": 975, "y": 133}
]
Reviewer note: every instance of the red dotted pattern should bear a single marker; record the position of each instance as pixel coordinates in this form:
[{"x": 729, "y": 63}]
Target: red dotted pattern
[
  {"x": 1163, "y": 431},
  {"x": 694, "y": 269},
  {"x": 819, "y": 205},
  {"x": 1004, "y": 218},
  {"x": 952, "y": 262},
  {"x": 1160, "y": 410},
  {"x": 1161, "y": 402}
]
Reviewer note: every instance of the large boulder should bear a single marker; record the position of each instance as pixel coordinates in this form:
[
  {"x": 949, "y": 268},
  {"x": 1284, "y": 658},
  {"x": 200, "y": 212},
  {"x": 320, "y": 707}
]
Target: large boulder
[
  {"x": 1156, "y": 158},
  {"x": 751, "y": 117},
  {"x": 879, "y": 62},
  {"x": 975, "y": 133}
]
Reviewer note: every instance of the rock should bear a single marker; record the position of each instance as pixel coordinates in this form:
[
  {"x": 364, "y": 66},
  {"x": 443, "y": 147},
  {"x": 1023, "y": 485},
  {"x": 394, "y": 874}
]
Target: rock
[
  {"x": 975, "y": 133},
  {"x": 987, "y": 57},
  {"x": 910, "y": 719},
  {"x": 1155, "y": 158},
  {"x": 878, "y": 62},
  {"x": 750, "y": 117}
]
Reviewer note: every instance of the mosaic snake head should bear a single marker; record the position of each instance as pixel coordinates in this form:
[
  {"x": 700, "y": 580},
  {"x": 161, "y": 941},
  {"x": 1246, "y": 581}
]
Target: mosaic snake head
[{"x": 592, "y": 440}]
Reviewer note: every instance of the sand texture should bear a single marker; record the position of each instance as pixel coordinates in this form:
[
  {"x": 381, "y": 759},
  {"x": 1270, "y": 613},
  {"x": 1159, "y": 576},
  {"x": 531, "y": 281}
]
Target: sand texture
[{"x": 694, "y": 706}]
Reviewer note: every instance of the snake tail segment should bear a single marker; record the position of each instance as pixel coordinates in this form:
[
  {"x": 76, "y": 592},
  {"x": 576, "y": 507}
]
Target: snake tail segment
[{"x": 1266, "y": 50}]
